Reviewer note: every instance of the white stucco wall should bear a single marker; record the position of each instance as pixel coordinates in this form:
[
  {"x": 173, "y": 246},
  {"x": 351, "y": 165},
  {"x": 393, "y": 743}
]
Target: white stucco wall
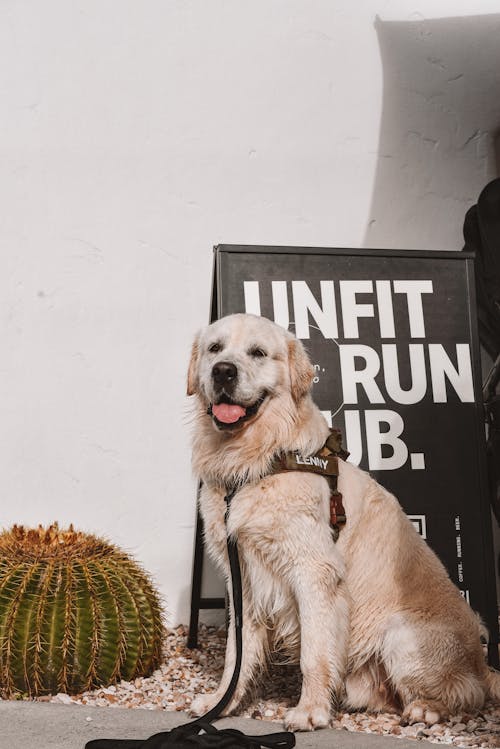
[{"x": 136, "y": 135}]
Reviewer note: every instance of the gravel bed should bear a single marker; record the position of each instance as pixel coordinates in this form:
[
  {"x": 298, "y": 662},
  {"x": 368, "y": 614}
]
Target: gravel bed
[{"x": 187, "y": 673}]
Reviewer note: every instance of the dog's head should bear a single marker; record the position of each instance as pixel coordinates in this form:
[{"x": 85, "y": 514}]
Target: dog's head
[{"x": 242, "y": 362}]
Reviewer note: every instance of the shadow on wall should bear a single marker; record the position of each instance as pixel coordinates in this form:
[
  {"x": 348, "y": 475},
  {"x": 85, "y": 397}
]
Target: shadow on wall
[{"x": 440, "y": 129}]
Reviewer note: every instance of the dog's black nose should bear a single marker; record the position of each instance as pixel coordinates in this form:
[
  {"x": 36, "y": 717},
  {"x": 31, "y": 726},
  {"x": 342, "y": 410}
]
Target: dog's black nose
[{"x": 224, "y": 373}]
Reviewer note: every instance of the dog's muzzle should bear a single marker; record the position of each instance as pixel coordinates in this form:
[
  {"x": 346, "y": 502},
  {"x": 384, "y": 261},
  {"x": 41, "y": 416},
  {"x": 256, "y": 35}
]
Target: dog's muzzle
[{"x": 226, "y": 412}]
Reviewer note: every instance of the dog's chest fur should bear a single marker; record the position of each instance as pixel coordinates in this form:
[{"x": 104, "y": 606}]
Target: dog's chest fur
[{"x": 264, "y": 517}]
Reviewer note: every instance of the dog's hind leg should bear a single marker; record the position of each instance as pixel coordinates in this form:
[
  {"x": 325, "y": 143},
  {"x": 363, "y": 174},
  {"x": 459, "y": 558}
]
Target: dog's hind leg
[
  {"x": 324, "y": 621},
  {"x": 457, "y": 692},
  {"x": 434, "y": 673}
]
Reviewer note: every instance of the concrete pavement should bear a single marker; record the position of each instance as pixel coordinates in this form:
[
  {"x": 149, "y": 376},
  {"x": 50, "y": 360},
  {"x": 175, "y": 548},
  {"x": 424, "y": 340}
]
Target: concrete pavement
[{"x": 37, "y": 725}]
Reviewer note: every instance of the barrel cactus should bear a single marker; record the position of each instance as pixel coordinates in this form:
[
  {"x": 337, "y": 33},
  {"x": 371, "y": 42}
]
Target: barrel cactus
[{"x": 75, "y": 613}]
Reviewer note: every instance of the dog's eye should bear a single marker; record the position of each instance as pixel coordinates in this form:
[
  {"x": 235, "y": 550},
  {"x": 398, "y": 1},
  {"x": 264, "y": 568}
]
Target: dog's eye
[
  {"x": 257, "y": 352},
  {"x": 214, "y": 348}
]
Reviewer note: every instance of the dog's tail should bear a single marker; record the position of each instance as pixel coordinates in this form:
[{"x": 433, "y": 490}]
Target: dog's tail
[{"x": 493, "y": 684}]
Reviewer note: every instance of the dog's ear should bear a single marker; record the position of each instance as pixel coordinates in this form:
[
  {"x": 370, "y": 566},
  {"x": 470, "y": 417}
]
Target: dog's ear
[
  {"x": 192, "y": 378},
  {"x": 301, "y": 369}
]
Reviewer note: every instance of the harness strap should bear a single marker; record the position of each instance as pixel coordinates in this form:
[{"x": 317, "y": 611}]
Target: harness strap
[{"x": 325, "y": 463}]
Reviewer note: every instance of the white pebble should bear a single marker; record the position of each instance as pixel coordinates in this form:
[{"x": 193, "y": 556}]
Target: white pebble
[{"x": 64, "y": 698}]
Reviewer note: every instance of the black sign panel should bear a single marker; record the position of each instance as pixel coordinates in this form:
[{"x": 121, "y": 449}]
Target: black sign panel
[{"x": 392, "y": 336}]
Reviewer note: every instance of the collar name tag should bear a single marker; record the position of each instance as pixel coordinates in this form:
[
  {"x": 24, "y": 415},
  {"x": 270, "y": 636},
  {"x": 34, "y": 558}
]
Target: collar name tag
[{"x": 326, "y": 465}]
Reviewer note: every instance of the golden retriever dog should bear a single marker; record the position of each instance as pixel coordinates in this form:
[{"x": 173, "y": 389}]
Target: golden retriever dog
[{"x": 373, "y": 619}]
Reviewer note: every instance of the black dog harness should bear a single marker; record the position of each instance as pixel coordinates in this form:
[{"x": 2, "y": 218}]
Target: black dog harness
[{"x": 199, "y": 733}]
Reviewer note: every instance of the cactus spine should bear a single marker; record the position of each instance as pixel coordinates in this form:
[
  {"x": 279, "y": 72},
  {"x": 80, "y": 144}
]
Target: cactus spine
[{"x": 75, "y": 613}]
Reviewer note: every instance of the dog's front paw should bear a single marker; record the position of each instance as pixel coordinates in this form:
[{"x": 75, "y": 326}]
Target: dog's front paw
[
  {"x": 300, "y": 719},
  {"x": 203, "y": 703}
]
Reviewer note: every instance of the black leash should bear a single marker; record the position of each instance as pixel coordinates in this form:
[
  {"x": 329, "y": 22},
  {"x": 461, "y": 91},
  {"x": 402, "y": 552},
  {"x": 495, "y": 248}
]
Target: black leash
[{"x": 199, "y": 733}]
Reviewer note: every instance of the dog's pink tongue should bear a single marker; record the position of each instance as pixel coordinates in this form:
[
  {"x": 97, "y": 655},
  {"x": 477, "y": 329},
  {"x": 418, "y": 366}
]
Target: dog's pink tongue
[{"x": 228, "y": 413}]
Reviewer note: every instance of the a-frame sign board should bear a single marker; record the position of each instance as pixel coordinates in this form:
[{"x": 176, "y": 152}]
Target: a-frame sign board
[{"x": 393, "y": 338}]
